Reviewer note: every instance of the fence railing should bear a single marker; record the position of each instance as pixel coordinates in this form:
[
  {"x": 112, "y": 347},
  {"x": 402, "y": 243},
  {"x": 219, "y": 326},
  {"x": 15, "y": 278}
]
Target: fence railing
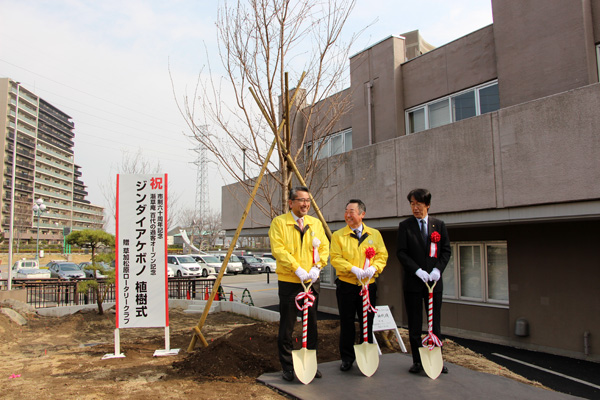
[{"x": 55, "y": 292}]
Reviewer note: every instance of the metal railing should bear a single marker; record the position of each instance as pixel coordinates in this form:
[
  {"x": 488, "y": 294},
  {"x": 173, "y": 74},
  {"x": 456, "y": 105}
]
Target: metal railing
[{"x": 53, "y": 292}]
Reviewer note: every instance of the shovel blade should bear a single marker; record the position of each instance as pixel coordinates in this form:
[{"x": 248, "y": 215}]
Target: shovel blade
[
  {"x": 305, "y": 364},
  {"x": 367, "y": 357},
  {"x": 432, "y": 361}
]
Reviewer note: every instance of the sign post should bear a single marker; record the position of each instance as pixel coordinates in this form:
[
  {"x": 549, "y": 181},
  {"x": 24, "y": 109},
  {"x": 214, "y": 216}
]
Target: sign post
[
  {"x": 140, "y": 259},
  {"x": 383, "y": 321}
]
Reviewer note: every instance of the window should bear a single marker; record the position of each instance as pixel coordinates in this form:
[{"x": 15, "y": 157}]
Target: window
[
  {"x": 477, "y": 272},
  {"x": 466, "y": 104},
  {"x": 331, "y": 145}
]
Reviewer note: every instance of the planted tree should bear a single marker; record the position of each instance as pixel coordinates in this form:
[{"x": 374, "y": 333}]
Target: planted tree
[{"x": 93, "y": 240}]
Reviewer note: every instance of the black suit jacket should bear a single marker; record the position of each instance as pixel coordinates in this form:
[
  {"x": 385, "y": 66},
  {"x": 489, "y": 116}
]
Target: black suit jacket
[{"x": 414, "y": 254}]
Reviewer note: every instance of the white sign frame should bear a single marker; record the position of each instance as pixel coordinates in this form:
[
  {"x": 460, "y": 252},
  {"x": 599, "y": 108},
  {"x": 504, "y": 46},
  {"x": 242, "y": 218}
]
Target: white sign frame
[{"x": 142, "y": 296}]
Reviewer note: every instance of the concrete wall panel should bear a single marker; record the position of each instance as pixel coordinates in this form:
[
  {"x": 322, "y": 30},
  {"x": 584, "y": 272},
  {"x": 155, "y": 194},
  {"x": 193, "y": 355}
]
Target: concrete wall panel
[
  {"x": 457, "y": 166},
  {"x": 549, "y": 149},
  {"x": 464, "y": 63},
  {"x": 540, "y": 54}
]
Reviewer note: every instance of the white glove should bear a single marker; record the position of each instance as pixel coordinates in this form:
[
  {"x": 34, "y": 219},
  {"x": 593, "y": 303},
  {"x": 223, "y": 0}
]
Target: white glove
[
  {"x": 358, "y": 272},
  {"x": 302, "y": 274},
  {"x": 314, "y": 274},
  {"x": 435, "y": 275},
  {"x": 369, "y": 272},
  {"x": 424, "y": 276}
]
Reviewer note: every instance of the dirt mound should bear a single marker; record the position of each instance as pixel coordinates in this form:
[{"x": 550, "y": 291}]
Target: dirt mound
[{"x": 250, "y": 351}]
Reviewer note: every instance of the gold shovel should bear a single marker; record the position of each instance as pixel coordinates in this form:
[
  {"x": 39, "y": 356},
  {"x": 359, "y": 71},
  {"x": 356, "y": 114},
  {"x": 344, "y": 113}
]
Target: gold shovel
[
  {"x": 431, "y": 352},
  {"x": 305, "y": 360},
  {"x": 367, "y": 354}
]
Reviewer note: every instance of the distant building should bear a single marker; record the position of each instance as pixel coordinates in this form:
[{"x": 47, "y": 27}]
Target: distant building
[
  {"x": 502, "y": 125},
  {"x": 44, "y": 169}
]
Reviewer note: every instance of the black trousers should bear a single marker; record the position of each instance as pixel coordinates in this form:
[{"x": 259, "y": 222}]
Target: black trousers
[
  {"x": 414, "y": 302},
  {"x": 287, "y": 319},
  {"x": 350, "y": 306}
]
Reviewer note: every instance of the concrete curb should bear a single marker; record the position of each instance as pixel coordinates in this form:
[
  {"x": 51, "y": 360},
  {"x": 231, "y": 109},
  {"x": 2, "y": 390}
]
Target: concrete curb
[{"x": 191, "y": 306}]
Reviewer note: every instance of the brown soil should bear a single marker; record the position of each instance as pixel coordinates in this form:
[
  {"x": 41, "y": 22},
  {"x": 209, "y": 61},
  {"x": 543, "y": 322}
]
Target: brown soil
[{"x": 56, "y": 358}]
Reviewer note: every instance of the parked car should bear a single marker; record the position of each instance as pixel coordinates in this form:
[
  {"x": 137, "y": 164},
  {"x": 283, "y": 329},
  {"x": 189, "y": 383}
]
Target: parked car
[
  {"x": 65, "y": 270},
  {"x": 268, "y": 255},
  {"x": 28, "y": 269},
  {"x": 187, "y": 266},
  {"x": 25, "y": 264},
  {"x": 234, "y": 265},
  {"x": 251, "y": 264},
  {"x": 32, "y": 273},
  {"x": 170, "y": 272},
  {"x": 89, "y": 273},
  {"x": 49, "y": 264},
  {"x": 270, "y": 264},
  {"x": 212, "y": 261}
]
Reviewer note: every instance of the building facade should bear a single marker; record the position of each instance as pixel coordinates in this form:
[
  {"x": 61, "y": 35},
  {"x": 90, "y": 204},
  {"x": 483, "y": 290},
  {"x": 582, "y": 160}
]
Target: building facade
[
  {"x": 502, "y": 126},
  {"x": 45, "y": 169}
]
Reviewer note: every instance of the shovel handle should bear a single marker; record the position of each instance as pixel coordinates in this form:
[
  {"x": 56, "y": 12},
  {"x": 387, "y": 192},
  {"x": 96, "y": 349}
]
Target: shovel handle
[
  {"x": 430, "y": 308},
  {"x": 305, "y": 315},
  {"x": 365, "y": 318}
]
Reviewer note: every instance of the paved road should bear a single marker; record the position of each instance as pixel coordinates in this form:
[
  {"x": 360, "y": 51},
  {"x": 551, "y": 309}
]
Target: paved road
[{"x": 262, "y": 288}]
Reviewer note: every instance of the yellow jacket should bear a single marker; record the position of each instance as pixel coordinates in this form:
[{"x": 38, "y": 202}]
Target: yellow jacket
[
  {"x": 292, "y": 253},
  {"x": 346, "y": 253}
]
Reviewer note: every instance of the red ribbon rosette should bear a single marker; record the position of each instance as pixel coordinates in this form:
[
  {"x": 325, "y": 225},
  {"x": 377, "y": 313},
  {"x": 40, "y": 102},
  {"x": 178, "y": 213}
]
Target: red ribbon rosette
[
  {"x": 435, "y": 238},
  {"x": 369, "y": 254}
]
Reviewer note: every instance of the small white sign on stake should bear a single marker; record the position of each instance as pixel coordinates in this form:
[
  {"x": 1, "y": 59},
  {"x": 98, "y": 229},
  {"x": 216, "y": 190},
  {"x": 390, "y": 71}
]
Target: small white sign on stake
[{"x": 383, "y": 321}]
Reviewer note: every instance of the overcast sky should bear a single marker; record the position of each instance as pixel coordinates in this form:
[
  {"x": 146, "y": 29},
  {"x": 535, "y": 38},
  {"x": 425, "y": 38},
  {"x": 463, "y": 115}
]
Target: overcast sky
[{"x": 106, "y": 64}]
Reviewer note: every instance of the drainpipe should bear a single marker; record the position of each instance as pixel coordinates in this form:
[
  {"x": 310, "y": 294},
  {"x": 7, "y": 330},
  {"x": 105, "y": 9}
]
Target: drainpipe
[
  {"x": 586, "y": 343},
  {"x": 370, "y": 111}
]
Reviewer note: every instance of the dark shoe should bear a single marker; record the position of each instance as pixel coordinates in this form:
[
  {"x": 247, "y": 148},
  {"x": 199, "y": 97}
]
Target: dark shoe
[
  {"x": 346, "y": 365},
  {"x": 318, "y": 375},
  {"x": 287, "y": 375},
  {"x": 416, "y": 368},
  {"x": 444, "y": 370}
]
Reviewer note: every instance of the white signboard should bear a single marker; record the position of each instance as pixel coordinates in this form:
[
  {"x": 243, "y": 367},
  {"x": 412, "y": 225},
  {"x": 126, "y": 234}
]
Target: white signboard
[
  {"x": 384, "y": 320},
  {"x": 141, "y": 251}
]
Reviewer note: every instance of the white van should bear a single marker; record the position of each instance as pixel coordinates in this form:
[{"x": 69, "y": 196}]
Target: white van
[{"x": 234, "y": 265}]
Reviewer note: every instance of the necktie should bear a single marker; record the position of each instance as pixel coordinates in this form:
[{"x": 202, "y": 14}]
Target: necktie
[
  {"x": 301, "y": 224},
  {"x": 423, "y": 231},
  {"x": 357, "y": 233}
]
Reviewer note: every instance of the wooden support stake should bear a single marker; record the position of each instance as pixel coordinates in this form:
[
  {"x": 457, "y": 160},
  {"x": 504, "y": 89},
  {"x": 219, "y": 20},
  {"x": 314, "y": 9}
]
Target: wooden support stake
[{"x": 217, "y": 283}]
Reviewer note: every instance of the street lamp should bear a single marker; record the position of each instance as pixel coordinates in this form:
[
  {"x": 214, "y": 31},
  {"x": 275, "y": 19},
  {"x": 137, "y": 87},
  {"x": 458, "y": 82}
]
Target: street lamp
[{"x": 38, "y": 208}]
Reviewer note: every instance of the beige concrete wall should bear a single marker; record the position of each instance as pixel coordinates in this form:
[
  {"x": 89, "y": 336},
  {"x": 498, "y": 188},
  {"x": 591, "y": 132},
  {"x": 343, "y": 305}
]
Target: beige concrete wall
[
  {"x": 540, "y": 53},
  {"x": 377, "y": 66},
  {"x": 459, "y": 65},
  {"x": 549, "y": 149},
  {"x": 514, "y": 157}
]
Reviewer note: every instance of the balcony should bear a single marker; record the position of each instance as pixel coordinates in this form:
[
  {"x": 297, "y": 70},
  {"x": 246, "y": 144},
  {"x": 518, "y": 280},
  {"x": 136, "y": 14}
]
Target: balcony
[{"x": 64, "y": 130}]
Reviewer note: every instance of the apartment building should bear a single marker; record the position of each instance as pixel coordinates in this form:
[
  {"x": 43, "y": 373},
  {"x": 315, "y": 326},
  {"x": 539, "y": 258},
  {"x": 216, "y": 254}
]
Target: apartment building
[
  {"x": 502, "y": 126},
  {"x": 45, "y": 169}
]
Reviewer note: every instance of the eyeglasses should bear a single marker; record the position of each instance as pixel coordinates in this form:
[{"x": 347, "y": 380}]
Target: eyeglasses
[{"x": 302, "y": 200}]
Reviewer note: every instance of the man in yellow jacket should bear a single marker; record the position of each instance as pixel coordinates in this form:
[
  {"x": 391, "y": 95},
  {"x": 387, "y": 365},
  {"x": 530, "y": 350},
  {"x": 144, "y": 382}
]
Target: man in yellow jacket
[
  {"x": 296, "y": 240},
  {"x": 348, "y": 252}
]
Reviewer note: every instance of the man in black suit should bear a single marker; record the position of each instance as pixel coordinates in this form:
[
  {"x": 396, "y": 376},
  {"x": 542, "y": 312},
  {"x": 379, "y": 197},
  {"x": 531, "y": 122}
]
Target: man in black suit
[{"x": 423, "y": 249}]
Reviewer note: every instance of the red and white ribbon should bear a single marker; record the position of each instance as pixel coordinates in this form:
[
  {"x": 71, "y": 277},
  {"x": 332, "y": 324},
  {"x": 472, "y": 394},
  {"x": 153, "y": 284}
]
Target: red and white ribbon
[
  {"x": 433, "y": 250},
  {"x": 364, "y": 292},
  {"x": 316, "y": 243},
  {"x": 309, "y": 300},
  {"x": 431, "y": 340}
]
